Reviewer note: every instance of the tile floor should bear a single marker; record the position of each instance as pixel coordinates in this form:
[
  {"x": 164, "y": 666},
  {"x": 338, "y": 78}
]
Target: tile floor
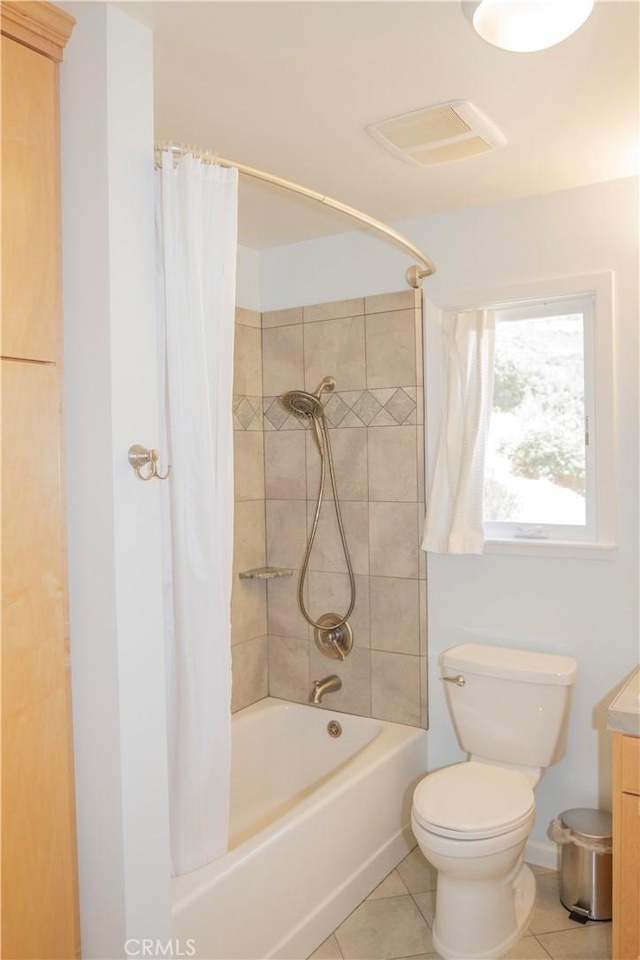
[{"x": 394, "y": 923}]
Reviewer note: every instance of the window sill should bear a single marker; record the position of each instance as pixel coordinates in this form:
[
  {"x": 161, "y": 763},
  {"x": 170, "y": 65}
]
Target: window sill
[{"x": 571, "y": 549}]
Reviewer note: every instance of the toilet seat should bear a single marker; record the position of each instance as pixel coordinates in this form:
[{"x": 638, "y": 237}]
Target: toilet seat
[{"x": 473, "y": 801}]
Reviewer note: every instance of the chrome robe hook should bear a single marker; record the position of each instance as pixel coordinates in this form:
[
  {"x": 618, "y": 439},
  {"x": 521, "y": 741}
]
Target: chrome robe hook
[{"x": 140, "y": 457}]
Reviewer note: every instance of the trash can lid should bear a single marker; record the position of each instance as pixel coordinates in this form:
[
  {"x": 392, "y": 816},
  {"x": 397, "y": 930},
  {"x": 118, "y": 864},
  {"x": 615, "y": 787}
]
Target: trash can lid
[{"x": 586, "y": 822}]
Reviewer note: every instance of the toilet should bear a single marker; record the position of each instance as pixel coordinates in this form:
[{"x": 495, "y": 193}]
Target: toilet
[{"x": 510, "y": 710}]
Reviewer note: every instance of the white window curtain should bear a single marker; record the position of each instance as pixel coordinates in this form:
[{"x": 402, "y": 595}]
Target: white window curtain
[
  {"x": 197, "y": 244},
  {"x": 454, "y": 521}
]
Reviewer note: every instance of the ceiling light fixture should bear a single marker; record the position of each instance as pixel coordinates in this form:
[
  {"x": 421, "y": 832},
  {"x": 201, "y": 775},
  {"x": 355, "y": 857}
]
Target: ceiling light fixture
[{"x": 527, "y": 25}]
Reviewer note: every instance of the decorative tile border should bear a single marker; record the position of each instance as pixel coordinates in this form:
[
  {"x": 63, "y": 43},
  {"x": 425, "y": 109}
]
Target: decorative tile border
[
  {"x": 388, "y": 407},
  {"x": 247, "y": 413}
]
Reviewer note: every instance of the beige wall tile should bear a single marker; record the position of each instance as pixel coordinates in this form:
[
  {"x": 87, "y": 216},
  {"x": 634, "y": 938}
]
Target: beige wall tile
[
  {"x": 393, "y": 463},
  {"x": 384, "y": 419},
  {"x": 419, "y": 346},
  {"x": 350, "y": 420},
  {"x": 391, "y": 349},
  {"x": 285, "y": 465},
  {"x": 395, "y": 615},
  {"x": 349, "y": 449},
  {"x": 248, "y": 446},
  {"x": 422, "y": 556},
  {"x": 331, "y": 593},
  {"x": 327, "y": 555},
  {"x": 248, "y": 318},
  {"x": 284, "y": 617},
  {"x": 282, "y": 318},
  {"x": 248, "y": 610},
  {"x": 395, "y": 687},
  {"x": 335, "y": 348},
  {"x": 289, "y": 669},
  {"x": 424, "y": 692},
  {"x": 385, "y": 302},
  {"x": 283, "y": 368},
  {"x": 286, "y": 532},
  {"x": 249, "y": 673},
  {"x": 393, "y": 532},
  {"x": 422, "y": 588},
  {"x": 333, "y": 310},
  {"x": 249, "y": 535},
  {"x": 355, "y": 673},
  {"x": 421, "y": 474},
  {"x": 247, "y": 361}
]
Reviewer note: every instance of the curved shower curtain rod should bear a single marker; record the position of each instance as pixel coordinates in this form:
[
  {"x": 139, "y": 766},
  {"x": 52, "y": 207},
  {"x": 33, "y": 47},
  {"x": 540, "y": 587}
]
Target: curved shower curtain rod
[{"x": 414, "y": 274}]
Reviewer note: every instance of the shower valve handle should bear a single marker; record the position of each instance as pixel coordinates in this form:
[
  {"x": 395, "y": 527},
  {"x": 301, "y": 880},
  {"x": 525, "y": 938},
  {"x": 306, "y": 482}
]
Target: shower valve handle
[
  {"x": 334, "y": 640},
  {"x": 333, "y": 636}
]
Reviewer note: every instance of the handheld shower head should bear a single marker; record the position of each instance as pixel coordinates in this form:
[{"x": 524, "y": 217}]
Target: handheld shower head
[{"x": 303, "y": 404}]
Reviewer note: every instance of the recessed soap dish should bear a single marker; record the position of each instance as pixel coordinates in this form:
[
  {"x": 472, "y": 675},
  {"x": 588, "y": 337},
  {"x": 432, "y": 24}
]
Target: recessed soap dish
[{"x": 265, "y": 573}]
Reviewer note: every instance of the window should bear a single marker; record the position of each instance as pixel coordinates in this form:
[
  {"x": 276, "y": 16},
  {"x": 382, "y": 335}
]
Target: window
[
  {"x": 539, "y": 475},
  {"x": 550, "y": 485}
]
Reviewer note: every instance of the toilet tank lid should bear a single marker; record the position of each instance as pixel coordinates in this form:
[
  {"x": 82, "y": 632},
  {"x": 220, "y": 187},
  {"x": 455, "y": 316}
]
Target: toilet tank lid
[{"x": 504, "y": 662}]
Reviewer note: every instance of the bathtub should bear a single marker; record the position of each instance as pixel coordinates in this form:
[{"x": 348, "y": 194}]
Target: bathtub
[{"x": 316, "y": 823}]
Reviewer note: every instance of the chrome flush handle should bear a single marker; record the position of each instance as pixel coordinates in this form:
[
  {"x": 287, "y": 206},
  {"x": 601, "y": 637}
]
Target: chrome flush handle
[{"x": 459, "y": 680}]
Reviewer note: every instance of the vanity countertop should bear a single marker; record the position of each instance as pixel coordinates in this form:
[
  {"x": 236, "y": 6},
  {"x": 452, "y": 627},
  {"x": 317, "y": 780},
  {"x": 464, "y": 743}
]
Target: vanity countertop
[{"x": 624, "y": 711}]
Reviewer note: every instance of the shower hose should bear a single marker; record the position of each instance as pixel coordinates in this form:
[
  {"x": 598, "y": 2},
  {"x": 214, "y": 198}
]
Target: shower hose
[{"x": 321, "y": 437}]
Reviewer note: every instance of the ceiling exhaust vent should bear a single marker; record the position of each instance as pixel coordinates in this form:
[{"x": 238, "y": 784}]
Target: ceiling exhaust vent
[{"x": 449, "y": 131}]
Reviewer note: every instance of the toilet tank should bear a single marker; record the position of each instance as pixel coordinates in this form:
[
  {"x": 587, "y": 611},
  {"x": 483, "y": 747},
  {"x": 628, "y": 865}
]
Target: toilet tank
[{"x": 513, "y": 706}]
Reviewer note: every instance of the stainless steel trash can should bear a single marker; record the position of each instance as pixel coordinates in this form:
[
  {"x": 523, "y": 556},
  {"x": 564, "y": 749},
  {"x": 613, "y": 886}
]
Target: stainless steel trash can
[{"x": 585, "y": 864}]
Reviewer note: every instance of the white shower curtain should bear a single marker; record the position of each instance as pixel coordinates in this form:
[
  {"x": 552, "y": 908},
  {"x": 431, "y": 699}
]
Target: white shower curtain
[
  {"x": 454, "y": 520},
  {"x": 197, "y": 242}
]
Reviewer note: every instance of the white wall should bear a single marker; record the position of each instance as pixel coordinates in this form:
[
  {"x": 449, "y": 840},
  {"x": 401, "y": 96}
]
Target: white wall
[
  {"x": 115, "y": 581},
  {"x": 248, "y": 279},
  {"x": 587, "y": 608}
]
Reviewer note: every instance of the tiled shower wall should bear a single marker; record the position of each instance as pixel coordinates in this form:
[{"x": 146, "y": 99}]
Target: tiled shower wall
[
  {"x": 249, "y": 598},
  {"x": 373, "y": 348}
]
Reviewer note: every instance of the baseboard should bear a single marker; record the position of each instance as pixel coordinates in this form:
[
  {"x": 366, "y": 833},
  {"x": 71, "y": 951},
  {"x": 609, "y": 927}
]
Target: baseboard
[{"x": 542, "y": 853}]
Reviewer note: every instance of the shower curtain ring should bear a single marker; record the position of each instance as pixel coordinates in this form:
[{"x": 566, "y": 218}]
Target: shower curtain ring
[{"x": 140, "y": 457}]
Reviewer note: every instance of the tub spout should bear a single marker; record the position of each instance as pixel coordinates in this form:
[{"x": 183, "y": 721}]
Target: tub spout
[{"x": 320, "y": 687}]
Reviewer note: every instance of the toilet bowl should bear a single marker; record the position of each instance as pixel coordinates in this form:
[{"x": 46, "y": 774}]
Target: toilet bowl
[
  {"x": 472, "y": 819},
  {"x": 471, "y": 822}
]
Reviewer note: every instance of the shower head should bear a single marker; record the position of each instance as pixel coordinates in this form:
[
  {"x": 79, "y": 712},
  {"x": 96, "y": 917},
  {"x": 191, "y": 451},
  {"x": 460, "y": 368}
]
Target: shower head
[{"x": 303, "y": 404}]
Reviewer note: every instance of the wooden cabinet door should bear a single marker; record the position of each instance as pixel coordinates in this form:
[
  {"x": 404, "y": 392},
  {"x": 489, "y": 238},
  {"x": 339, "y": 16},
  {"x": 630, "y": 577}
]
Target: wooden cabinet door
[
  {"x": 30, "y": 200},
  {"x": 629, "y": 885},
  {"x": 38, "y": 843}
]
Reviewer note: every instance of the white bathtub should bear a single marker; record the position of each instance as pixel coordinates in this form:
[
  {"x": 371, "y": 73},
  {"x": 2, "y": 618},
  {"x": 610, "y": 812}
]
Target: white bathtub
[{"x": 316, "y": 823}]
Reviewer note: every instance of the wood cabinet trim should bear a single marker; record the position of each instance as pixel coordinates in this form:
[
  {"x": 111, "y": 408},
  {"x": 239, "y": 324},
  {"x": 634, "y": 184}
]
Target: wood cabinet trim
[
  {"x": 38, "y": 25},
  {"x": 40, "y": 892},
  {"x": 630, "y": 764},
  {"x": 626, "y": 847}
]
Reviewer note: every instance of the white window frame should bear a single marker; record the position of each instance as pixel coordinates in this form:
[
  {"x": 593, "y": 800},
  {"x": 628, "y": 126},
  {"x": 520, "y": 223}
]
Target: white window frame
[
  {"x": 550, "y": 307},
  {"x": 598, "y": 539}
]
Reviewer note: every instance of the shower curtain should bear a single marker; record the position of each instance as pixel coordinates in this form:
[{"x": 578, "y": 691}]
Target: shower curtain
[{"x": 196, "y": 224}]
